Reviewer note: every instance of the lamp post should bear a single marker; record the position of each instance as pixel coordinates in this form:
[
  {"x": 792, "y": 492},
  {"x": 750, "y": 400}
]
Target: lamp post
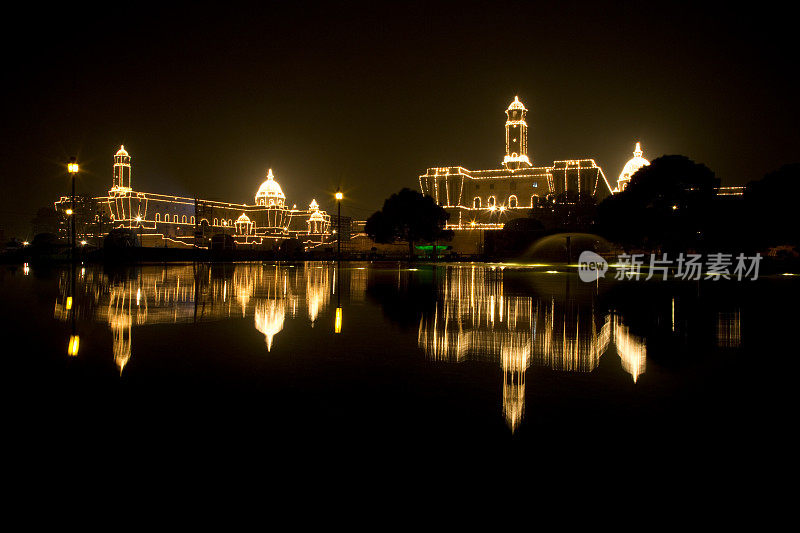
[
  {"x": 339, "y": 197},
  {"x": 72, "y": 168}
]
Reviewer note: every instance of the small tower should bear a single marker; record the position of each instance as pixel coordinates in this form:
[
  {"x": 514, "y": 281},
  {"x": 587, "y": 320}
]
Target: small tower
[
  {"x": 122, "y": 170},
  {"x": 516, "y": 136}
]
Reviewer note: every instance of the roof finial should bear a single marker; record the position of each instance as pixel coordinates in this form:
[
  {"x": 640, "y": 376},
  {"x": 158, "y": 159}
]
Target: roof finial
[
  {"x": 269, "y": 175},
  {"x": 638, "y": 151}
]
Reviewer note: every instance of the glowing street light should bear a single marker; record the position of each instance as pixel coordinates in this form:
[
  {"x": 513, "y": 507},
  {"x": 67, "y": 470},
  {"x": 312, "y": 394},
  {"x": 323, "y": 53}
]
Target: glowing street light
[
  {"x": 72, "y": 168},
  {"x": 339, "y": 197}
]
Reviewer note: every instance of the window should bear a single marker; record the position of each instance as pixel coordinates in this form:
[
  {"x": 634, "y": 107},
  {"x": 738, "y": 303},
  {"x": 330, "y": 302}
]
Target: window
[
  {"x": 183, "y": 219},
  {"x": 158, "y": 217},
  {"x": 230, "y": 222},
  {"x": 166, "y": 218},
  {"x": 534, "y": 200},
  {"x": 476, "y": 203},
  {"x": 490, "y": 202},
  {"x": 192, "y": 220},
  {"x": 216, "y": 222},
  {"x": 223, "y": 222},
  {"x": 512, "y": 201}
]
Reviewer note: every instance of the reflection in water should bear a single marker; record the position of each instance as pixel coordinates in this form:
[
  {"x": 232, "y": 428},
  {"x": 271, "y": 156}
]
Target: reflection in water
[
  {"x": 729, "y": 329},
  {"x": 475, "y": 316},
  {"x": 196, "y": 293},
  {"x": 475, "y": 319}
]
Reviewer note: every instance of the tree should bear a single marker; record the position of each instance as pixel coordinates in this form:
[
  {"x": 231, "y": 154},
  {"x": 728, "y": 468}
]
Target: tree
[
  {"x": 769, "y": 207},
  {"x": 408, "y": 216},
  {"x": 668, "y": 204}
]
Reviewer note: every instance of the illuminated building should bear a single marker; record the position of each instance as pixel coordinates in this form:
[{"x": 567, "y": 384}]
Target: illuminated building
[
  {"x": 487, "y": 199},
  {"x": 174, "y": 221},
  {"x": 630, "y": 168}
]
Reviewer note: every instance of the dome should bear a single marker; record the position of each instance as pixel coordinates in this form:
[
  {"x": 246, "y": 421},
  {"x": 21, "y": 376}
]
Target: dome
[
  {"x": 121, "y": 150},
  {"x": 516, "y": 104},
  {"x": 631, "y": 167},
  {"x": 270, "y": 193},
  {"x": 243, "y": 219},
  {"x": 316, "y": 216}
]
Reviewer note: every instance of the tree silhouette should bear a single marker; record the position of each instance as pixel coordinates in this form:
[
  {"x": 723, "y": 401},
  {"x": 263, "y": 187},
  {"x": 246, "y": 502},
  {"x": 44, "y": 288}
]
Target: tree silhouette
[
  {"x": 408, "y": 216},
  {"x": 668, "y": 204}
]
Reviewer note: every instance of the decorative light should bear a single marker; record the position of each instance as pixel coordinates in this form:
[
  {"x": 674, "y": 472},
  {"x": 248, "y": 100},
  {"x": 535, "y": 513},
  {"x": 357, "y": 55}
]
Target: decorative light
[
  {"x": 69, "y": 212},
  {"x": 25, "y": 243},
  {"x": 69, "y": 303},
  {"x": 72, "y": 167},
  {"x": 74, "y": 344},
  {"x": 83, "y": 243},
  {"x": 339, "y": 195}
]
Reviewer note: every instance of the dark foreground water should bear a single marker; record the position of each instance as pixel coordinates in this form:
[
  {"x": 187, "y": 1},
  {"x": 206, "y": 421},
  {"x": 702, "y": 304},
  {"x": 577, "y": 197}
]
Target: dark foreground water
[{"x": 234, "y": 359}]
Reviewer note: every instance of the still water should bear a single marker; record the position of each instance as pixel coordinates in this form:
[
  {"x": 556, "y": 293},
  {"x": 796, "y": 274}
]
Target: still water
[{"x": 471, "y": 352}]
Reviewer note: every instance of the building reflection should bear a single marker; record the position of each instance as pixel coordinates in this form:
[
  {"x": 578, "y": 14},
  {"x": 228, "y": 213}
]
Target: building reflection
[
  {"x": 476, "y": 319},
  {"x": 196, "y": 293}
]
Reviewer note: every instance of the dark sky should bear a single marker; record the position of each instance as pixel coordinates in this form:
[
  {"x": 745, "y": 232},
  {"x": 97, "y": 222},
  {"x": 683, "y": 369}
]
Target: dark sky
[{"x": 206, "y": 97}]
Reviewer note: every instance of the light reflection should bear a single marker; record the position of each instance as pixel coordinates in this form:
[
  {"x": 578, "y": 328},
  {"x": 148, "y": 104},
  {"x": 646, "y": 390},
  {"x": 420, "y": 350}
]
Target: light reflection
[
  {"x": 476, "y": 319},
  {"x": 148, "y": 295}
]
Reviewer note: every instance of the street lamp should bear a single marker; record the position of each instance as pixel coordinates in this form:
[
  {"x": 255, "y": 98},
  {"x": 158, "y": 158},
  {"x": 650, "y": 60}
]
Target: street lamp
[
  {"x": 339, "y": 197},
  {"x": 139, "y": 225},
  {"x": 72, "y": 168}
]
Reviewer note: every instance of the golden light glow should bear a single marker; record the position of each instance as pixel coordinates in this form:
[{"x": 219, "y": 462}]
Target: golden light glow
[
  {"x": 339, "y": 195},
  {"x": 74, "y": 344},
  {"x": 83, "y": 243},
  {"x": 337, "y": 325},
  {"x": 68, "y": 212},
  {"x": 72, "y": 168},
  {"x": 69, "y": 303}
]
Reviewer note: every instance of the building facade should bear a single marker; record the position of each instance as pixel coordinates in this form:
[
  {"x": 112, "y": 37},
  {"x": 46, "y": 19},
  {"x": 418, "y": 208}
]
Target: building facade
[
  {"x": 175, "y": 221},
  {"x": 487, "y": 199}
]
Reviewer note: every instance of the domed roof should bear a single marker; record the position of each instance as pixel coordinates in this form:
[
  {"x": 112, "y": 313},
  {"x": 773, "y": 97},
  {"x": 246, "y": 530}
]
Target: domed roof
[
  {"x": 633, "y": 165},
  {"x": 243, "y": 219},
  {"x": 516, "y": 104},
  {"x": 121, "y": 150},
  {"x": 316, "y": 216},
  {"x": 270, "y": 189}
]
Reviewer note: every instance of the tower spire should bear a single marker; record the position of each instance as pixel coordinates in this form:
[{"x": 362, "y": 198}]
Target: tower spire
[{"x": 516, "y": 136}]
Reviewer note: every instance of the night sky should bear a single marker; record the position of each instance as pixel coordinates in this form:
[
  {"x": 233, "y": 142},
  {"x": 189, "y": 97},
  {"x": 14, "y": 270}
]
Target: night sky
[{"x": 206, "y": 97}]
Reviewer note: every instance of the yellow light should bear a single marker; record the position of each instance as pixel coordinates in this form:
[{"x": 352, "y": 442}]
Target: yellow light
[
  {"x": 72, "y": 347},
  {"x": 337, "y": 325},
  {"x": 674, "y": 207},
  {"x": 25, "y": 243},
  {"x": 339, "y": 195},
  {"x": 502, "y": 208},
  {"x": 492, "y": 208},
  {"x": 69, "y": 303},
  {"x": 69, "y": 212},
  {"x": 83, "y": 243},
  {"x": 72, "y": 168}
]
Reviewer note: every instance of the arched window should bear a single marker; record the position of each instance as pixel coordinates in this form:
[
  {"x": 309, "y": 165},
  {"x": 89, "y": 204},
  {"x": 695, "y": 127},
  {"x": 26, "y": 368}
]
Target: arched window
[
  {"x": 158, "y": 217},
  {"x": 476, "y": 203},
  {"x": 216, "y": 222},
  {"x": 224, "y": 223},
  {"x": 490, "y": 202},
  {"x": 166, "y": 218},
  {"x": 512, "y": 201},
  {"x": 192, "y": 220},
  {"x": 183, "y": 219},
  {"x": 230, "y": 222},
  {"x": 534, "y": 200}
]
